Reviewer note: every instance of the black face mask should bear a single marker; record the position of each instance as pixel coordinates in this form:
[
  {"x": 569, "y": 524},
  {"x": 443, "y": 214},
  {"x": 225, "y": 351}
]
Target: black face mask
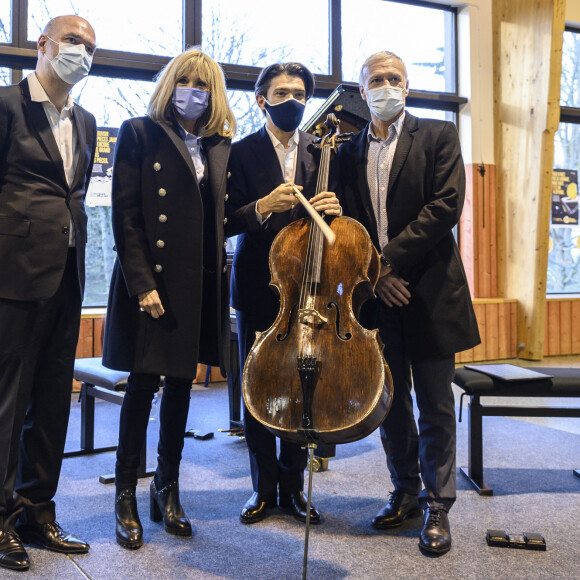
[{"x": 286, "y": 115}]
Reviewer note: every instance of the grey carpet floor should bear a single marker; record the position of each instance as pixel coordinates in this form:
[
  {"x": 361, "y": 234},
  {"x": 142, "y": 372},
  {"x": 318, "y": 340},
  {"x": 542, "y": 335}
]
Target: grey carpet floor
[{"x": 529, "y": 467}]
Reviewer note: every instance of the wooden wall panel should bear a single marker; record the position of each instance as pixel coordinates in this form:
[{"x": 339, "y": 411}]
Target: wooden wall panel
[
  {"x": 562, "y": 328},
  {"x": 477, "y": 230},
  {"x": 85, "y": 343},
  {"x": 527, "y": 47},
  {"x": 496, "y": 318}
]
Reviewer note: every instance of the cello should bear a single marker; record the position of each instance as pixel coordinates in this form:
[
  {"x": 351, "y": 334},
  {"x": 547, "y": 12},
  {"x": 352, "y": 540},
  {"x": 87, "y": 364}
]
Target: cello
[{"x": 316, "y": 375}]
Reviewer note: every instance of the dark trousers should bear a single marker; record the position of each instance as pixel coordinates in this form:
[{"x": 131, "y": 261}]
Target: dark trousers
[
  {"x": 174, "y": 408},
  {"x": 37, "y": 349},
  {"x": 270, "y": 472},
  {"x": 420, "y": 455}
]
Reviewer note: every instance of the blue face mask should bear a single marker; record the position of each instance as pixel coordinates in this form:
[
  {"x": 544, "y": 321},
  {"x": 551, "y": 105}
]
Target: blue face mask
[
  {"x": 286, "y": 115},
  {"x": 190, "y": 104}
]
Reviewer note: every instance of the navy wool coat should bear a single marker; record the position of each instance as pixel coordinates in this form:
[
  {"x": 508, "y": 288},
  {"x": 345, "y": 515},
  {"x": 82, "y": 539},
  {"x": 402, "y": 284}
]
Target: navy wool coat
[{"x": 159, "y": 215}]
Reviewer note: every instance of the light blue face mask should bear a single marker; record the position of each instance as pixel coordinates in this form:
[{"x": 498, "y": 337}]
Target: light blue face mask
[
  {"x": 72, "y": 63},
  {"x": 385, "y": 102},
  {"x": 190, "y": 103}
]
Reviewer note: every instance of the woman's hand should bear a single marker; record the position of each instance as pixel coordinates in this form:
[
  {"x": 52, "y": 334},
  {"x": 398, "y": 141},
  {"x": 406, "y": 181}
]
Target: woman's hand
[
  {"x": 151, "y": 303},
  {"x": 326, "y": 202}
]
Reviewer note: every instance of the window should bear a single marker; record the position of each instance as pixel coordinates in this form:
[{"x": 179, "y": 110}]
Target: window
[
  {"x": 125, "y": 26},
  {"x": 564, "y": 246},
  {"x": 136, "y": 37},
  {"x": 5, "y": 21},
  {"x": 398, "y": 27},
  {"x": 258, "y": 33},
  {"x": 111, "y": 101}
]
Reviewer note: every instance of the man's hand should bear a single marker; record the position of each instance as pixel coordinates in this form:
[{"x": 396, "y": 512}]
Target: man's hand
[
  {"x": 326, "y": 202},
  {"x": 151, "y": 303},
  {"x": 280, "y": 200},
  {"x": 391, "y": 288}
]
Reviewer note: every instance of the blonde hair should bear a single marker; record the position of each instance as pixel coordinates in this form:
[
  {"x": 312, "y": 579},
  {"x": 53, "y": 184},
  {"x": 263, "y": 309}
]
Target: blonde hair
[
  {"x": 380, "y": 57},
  {"x": 218, "y": 117}
]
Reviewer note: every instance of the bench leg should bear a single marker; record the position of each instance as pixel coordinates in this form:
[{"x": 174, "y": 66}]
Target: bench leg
[
  {"x": 88, "y": 425},
  {"x": 474, "y": 471}
]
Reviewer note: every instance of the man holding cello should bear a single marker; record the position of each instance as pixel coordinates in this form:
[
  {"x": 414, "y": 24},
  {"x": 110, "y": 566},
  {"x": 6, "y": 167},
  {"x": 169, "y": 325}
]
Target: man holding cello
[
  {"x": 260, "y": 203},
  {"x": 403, "y": 178}
]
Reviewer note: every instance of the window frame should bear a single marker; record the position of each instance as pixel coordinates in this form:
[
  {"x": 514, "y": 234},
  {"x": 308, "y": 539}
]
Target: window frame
[{"x": 21, "y": 54}]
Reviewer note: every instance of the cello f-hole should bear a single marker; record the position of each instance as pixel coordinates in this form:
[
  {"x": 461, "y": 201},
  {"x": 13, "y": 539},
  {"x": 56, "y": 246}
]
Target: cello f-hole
[
  {"x": 346, "y": 335},
  {"x": 281, "y": 337}
]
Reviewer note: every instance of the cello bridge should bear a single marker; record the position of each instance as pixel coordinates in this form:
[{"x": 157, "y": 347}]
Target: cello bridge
[{"x": 317, "y": 318}]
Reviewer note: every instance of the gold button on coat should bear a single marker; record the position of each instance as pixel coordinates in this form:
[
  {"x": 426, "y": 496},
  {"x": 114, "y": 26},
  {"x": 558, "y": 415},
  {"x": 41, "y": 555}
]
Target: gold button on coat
[
  {"x": 160, "y": 244},
  {"x": 162, "y": 218},
  {"x": 158, "y": 268},
  {"x": 157, "y": 166},
  {"x": 225, "y": 221},
  {"x": 226, "y": 197},
  {"x": 162, "y": 192}
]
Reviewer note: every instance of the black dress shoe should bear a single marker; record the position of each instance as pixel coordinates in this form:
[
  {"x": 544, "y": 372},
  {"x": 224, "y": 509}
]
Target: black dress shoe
[
  {"x": 165, "y": 505},
  {"x": 401, "y": 506},
  {"x": 256, "y": 509},
  {"x": 52, "y": 537},
  {"x": 295, "y": 503},
  {"x": 128, "y": 528},
  {"x": 12, "y": 553},
  {"x": 435, "y": 535}
]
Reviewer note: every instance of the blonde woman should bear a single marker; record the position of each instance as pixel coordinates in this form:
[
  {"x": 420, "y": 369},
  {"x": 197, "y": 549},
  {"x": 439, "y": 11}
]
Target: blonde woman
[{"x": 168, "y": 307}]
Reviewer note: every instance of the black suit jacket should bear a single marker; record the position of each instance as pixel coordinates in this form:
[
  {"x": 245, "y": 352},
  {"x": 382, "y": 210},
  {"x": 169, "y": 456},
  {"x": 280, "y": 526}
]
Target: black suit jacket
[
  {"x": 255, "y": 172},
  {"x": 36, "y": 203},
  {"x": 425, "y": 198}
]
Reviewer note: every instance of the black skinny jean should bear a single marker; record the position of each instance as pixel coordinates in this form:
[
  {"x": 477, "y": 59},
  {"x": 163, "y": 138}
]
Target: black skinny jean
[{"x": 141, "y": 389}]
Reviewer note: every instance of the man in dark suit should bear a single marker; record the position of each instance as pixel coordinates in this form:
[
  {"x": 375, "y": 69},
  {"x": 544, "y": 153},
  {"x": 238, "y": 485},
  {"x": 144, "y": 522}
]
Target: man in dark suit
[
  {"x": 403, "y": 178},
  {"x": 47, "y": 146},
  {"x": 260, "y": 204}
]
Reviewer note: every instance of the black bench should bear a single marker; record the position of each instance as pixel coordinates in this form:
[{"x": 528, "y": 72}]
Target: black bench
[
  {"x": 99, "y": 382},
  {"x": 565, "y": 383}
]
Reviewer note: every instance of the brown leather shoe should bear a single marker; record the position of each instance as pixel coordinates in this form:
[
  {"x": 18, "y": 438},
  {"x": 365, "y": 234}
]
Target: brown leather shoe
[
  {"x": 52, "y": 537},
  {"x": 401, "y": 506},
  {"x": 296, "y": 504},
  {"x": 256, "y": 509},
  {"x": 12, "y": 553},
  {"x": 435, "y": 535}
]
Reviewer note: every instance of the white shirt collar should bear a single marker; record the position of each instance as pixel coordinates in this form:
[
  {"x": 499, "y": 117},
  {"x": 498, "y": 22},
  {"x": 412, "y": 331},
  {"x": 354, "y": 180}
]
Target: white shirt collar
[
  {"x": 38, "y": 94},
  {"x": 292, "y": 142}
]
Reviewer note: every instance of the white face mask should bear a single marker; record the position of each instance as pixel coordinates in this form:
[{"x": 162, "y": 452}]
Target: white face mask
[
  {"x": 72, "y": 63},
  {"x": 385, "y": 102}
]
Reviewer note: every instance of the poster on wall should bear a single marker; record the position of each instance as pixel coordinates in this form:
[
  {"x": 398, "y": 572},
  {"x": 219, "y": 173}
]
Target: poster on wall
[
  {"x": 565, "y": 197},
  {"x": 102, "y": 177}
]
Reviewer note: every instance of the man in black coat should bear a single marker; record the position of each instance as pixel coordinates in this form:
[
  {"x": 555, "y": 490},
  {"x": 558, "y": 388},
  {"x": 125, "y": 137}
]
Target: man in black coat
[
  {"x": 47, "y": 146},
  {"x": 403, "y": 178},
  {"x": 260, "y": 204}
]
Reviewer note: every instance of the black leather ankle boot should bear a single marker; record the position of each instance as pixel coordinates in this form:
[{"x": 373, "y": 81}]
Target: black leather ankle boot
[
  {"x": 165, "y": 505},
  {"x": 129, "y": 530}
]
